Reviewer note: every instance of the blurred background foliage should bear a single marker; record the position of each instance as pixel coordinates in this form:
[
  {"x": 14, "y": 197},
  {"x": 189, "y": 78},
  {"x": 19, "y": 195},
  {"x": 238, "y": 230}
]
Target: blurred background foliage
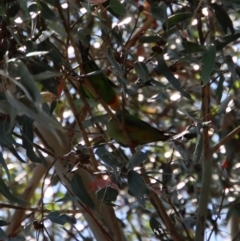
[{"x": 175, "y": 66}]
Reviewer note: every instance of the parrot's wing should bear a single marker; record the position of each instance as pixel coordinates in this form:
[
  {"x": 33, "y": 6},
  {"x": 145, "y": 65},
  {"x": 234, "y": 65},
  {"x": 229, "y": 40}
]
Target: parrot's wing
[{"x": 133, "y": 121}]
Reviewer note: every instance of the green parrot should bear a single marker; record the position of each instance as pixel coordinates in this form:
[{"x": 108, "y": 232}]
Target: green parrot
[
  {"x": 139, "y": 132},
  {"x": 102, "y": 85}
]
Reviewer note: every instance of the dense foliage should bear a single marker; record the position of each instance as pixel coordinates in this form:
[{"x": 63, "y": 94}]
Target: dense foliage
[{"x": 172, "y": 64}]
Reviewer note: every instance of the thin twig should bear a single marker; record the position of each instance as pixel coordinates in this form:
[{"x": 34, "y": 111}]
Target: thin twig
[{"x": 226, "y": 139}]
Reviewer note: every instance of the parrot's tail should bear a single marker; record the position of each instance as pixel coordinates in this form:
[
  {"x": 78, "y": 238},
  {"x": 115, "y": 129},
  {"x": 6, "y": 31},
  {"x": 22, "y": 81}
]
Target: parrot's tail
[{"x": 84, "y": 51}]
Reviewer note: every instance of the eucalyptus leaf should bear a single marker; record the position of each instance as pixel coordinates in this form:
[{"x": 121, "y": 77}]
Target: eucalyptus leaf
[
  {"x": 163, "y": 69},
  {"x": 114, "y": 63},
  {"x": 27, "y": 80},
  {"x": 4, "y": 190},
  {"x": 53, "y": 52},
  {"x": 45, "y": 34},
  {"x": 32, "y": 8},
  {"x": 176, "y": 19},
  {"x": 149, "y": 39},
  {"x": 223, "y": 18},
  {"x": 46, "y": 12},
  {"x": 117, "y": 7},
  {"x": 159, "y": 11},
  {"x": 4, "y": 165},
  {"x": 137, "y": 159},
  {"x": 208, "y": 60},
  {"x": 156, "y": 226},
  {"x": 219, "y": 89},
  {"x": 180, "y": 150},
  {"x": 108, "y": 157},
  {"x": 137, "y": 186},
  {"x": 80, "y": 191},
  {"x": 224, "y": 41},
  {"x": 3, "y": 235},
  {"x": 6, "y": 137},
  {"x": 3, "y": 223},
  {"x": 27, "y": 140},
  {"x": 13, "y": 10},
  {"x": 67, "y": 199},
  {"x": 58, "y": 218},
  {"x": 36, "y": 53},
  {"x": 107, "y": 195},
  {"x": 232, "y": 67},
  {"x": 199, "y": 146},
  {"x": 42, "y": 159},
  {"x": 15, "y": 153},
  {"x": 142, "y": 70},
  {"x": 192, "y": 47},
  {"x": 46, "y": 75}
]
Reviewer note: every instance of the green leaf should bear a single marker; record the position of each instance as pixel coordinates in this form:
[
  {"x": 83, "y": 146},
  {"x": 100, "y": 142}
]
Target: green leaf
[
  {"x": 46, "y": 75},
  {"x": 3, "y": 10},
  {"x": 219, "y": 89},
  {"x": 156, "y": 227},
  {"x": 137, "y": 186},
  {"x": 3, "y": 235},
  {"x": 107, "y": 195},
  {"x": 27, "y": 81},
  {"x": 114, "y": 63},
  {"x": 231, "y": 67},
  {"x": 80, "y": 191},
  {"x": 192, "y": 47},
  {"x": 163, "y": 69},
  {"x": 6, "y": 134},
  {"x": 108, "y": 157},
  {"x": 234, "y": 210},
  {"x": 15, "y": 153},
  {"x": 159, "y": 11},
  {"x": 222, "y": 42},
  {"x": 51, "y": 2},
  {"x": 208, "y": 60},
  {"x": 57, "y": 217},
  {"x": 13, "y": 10},
  {"x": 24, "y": 106},
  {"x": 55, "y": 26},
  {"x": 180, "y": 150},
  {"x": 169, "y": 32},
  {"x": 117, "y": 7},
  {"x": 36, "y": 53},
  {"x": 42, "y": 159},
  {"x": 176, "y": 19},
  {"x": 46, "y": 12},
  {"x": 142, "y": 70},
  {"x": 66, "y": 199},
  {"x": 45, "y": 34},
  {"x": 136, "y": 159},
  {"x": 33, "y": 8},
  {"x": 4, "y": 190},
  {"x": 224, "y": 104},
  {"x": 149, "y": 39},
  {"x": 223, "y": 18},
  {"x": 27, "y": 139},
  {"x": 4, "y": 165},
  {"x": 87, "y": 6},
  {"x": 46, "y": 45},
  {"x": 199, "y": 146},
  {"x": 14, "y": 34},
  {"x": 3, "y": 223}
]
